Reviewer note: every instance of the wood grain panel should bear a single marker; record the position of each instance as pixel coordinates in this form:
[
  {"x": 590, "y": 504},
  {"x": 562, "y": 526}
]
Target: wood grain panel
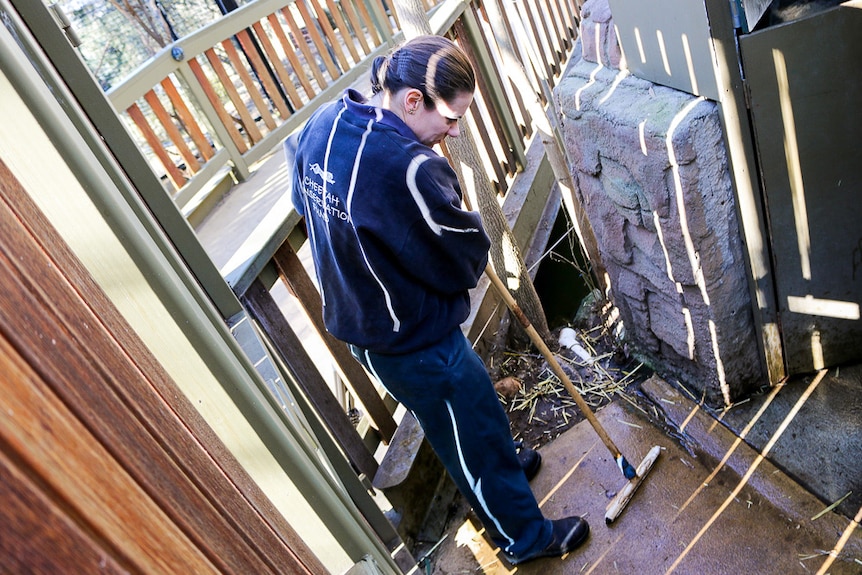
[
  {"x": 109, "y": 435},
  {"x": 37, "y": 536},
  {"x": 80, "y": 477}
]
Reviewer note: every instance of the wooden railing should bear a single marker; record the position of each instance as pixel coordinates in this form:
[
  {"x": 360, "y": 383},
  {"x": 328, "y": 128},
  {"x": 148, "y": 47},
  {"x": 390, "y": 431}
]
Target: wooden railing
[
  {"x": 229, "y": 94},
  {"x": 226, "y": 95}
]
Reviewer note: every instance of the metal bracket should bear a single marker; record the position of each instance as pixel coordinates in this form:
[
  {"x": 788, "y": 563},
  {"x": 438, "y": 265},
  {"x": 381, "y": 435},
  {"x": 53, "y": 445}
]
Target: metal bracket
[{"x": 65, "y": 25}]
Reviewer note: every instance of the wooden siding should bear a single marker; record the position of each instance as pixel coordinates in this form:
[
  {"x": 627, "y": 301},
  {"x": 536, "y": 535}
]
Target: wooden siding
[{"x": 105, "y": 464}]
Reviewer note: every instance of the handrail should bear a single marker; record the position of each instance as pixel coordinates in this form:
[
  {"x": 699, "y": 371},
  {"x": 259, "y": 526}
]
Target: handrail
[{"x": 226, "y": 95}]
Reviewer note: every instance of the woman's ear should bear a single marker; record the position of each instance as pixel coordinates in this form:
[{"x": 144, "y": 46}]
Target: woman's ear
[{"x": 412, "y": 100}]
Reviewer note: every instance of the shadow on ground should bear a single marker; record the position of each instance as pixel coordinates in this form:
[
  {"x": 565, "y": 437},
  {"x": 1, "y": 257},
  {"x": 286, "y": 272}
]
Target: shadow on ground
[{"x": 710, "y": 506}]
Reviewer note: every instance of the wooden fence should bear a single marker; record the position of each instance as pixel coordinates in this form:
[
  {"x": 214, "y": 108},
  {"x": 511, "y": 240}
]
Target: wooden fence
[{"x": 226, "y": 95}]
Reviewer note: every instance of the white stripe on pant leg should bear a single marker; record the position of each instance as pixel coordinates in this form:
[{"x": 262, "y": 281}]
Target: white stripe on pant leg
[{"x": 475, "y": 486}]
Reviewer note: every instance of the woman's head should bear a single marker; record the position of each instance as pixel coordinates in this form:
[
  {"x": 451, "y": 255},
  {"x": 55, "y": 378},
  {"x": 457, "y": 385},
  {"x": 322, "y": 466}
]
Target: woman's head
[
  {"x": 429, "y": 82},
  {"x": 431, "y": 64}
]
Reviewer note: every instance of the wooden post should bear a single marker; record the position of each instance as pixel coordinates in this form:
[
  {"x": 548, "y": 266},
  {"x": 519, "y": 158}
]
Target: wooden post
[
  {"x": 259, "y": 302},
  {"x": 293, "y": 274}
]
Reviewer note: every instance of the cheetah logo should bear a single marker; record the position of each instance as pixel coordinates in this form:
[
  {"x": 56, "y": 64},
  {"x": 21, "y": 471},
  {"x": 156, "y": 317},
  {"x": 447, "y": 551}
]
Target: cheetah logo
[{"x": 324, "y": 175}]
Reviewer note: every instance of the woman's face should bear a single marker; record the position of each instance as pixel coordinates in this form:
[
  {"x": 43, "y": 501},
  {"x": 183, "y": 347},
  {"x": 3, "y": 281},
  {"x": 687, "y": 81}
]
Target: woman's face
[{"x": 432, "y": 125}]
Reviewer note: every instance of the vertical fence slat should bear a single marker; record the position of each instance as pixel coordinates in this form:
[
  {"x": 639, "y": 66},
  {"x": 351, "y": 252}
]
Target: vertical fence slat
[
  {"x": 240, "y": 108},
  {"x": 512, "y": 99},
  {"x": 490, "y": 160},
  {"x": 311, "y": 23},
  {"x": 558, "y": 30},
  {"x": 544, "y": 12},
  {"x": 517, "y": 31},
  {"x": 341, "y": 29},
  {"x": 538, "y": 39},
  {"x": 273, "y": 92},
  {"x": 294, "y": 101},
  {"x": 489, "y": 80},
  {"x": 152, "y": 139},
  {"x": 578, "y": 4},
  {"x": 171, "y": 130},
  {"x": 392, "y": 13},
  {"x": 539, "y": 45},
  {"x": 565, "y": 30},
  {"x": 251, "y": 88},
  {"x": 291, "y": 52},
  {"x": 352, "y": 31},
  {"x": 187, "y": 118},
  {"x": 287, "y": 99},
  {"x": 368, "y": 22},
  {"x": 330, "y": 31},
  {"x": 490, "y": 150},
  {"x": 225, "y": 119},
  {"x": 358, "y": 31},
  {"x": 570, "y": 15}
]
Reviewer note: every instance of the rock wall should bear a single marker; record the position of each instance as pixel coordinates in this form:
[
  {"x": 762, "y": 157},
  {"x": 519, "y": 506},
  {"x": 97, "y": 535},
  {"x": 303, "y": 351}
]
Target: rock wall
[{"x": 652, "y": 175}]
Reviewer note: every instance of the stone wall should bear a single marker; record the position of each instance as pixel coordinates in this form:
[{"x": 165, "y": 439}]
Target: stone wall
[{"x": 652, "y": 175}]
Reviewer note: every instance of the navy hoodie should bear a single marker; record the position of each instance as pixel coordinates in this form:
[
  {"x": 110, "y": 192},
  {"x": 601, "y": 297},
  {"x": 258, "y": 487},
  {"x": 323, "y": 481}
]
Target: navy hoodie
[{"x": 394, "y": 251}]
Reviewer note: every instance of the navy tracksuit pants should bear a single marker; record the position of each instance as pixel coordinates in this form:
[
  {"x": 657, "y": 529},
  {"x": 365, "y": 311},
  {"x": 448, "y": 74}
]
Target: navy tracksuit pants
[{"x": 448, "y": 390}]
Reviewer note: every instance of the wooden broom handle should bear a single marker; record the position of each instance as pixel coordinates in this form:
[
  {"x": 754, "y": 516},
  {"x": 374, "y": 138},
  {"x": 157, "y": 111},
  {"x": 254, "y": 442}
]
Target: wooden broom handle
[{"x": 552, "y": 361}]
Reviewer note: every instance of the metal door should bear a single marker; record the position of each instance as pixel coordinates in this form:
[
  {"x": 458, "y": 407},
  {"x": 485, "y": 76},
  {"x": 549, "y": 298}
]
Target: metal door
[{"x": 805, "y": 86}]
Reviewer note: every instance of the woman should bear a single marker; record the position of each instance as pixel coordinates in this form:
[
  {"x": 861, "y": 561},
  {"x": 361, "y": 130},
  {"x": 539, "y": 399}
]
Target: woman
[{"x": 395, "y": 255}]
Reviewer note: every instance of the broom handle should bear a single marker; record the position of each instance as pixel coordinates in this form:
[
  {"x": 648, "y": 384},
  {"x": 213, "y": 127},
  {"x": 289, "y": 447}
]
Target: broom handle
[{"x": 552, "y": 361}]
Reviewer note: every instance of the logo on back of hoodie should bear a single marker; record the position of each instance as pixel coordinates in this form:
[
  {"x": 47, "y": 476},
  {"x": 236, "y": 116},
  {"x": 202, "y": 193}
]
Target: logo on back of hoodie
[
  {"x": 323, "y": 174},
  {"x": 326, "y": 205}
]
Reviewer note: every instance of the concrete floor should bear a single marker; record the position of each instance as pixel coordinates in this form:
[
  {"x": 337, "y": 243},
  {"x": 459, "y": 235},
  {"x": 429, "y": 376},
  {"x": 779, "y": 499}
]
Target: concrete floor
[
  {"x": 820, "y": 444},
  {"x": 710, "y": 506}
]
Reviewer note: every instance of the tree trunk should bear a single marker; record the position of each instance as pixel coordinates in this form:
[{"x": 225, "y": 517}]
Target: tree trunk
[
  {"x": 146, "y": 16},
  {"x": 505, "y": 255}
]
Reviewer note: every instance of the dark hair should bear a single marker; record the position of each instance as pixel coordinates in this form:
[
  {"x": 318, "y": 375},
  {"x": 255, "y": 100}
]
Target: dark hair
[{"x": 434, "y": 65}]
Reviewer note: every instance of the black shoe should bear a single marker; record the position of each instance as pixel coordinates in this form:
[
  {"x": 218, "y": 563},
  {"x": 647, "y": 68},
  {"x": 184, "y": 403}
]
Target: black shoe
[
  {"x": 530, "y": 460},
  {"x": 568, "y": 534}
]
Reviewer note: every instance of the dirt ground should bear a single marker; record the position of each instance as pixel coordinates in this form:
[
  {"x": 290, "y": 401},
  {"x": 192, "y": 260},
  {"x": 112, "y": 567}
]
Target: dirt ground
[{"x": 539, "y": 406}]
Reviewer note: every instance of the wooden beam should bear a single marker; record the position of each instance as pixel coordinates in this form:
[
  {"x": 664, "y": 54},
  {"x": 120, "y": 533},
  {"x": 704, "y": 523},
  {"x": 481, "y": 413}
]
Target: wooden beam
[
  {"x": 265, "y": 311},
  {"x": 293, "y": 274}
]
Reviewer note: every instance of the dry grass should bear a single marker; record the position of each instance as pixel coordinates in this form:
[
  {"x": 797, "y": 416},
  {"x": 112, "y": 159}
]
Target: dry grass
[{"x": 542, "y": 409}]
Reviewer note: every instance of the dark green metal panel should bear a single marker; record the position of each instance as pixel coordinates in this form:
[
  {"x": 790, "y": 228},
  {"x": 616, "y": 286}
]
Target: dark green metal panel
[
  {"x": 805, "y": 90},
  {"x": 668, "y": 42}
]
